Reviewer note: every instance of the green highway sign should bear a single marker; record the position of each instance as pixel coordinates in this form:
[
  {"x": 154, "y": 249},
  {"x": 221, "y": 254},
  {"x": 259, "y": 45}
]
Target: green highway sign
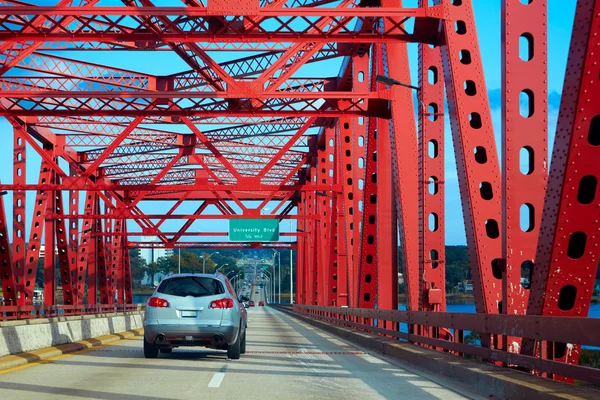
[{"x": 253, "y": 230}]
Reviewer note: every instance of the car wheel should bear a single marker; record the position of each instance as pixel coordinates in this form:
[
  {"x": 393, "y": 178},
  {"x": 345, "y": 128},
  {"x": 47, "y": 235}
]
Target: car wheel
[
  {"x": 150, "y": 350},
  {"x": 233, "y": 350},
  {"x": 167, "y": 350},
  {"x": 243, "y": 344}
]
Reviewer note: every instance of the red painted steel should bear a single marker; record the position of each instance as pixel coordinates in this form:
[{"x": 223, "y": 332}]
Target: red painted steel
[
  {"x": 525, "y": 164},
  {"x": 404, "y": 155},
  {"x": 301, "y": 253},
  {"x": 336, "y": 150},
  {"x": 6, "y": 266},
  {"x": 35, "y": 235},
  {"x": 386, "y": 243},
  {"x": 476, "y": 154},
  {"x": 367, "y": 268},
  {"x": 19, "y": 216},
  {"x": 432, "y": 251},
  {"x": 64, "y": 252},
  {"x": 567, "y": 253}
]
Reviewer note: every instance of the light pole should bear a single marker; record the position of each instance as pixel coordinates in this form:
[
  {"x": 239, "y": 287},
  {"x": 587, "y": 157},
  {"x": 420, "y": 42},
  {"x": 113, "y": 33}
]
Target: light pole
[
  {"x": 218, "y": 269},
  {"x": 267, "y": 286},
  {"x": 204, "y": 261},
  {"x": 291, "y": 268},
  {"x": 234, "y": 281},
  {"x": 179, "y": 260},
  {"x": 276, "y": 253},
  {"x": 273, "y": 266}
]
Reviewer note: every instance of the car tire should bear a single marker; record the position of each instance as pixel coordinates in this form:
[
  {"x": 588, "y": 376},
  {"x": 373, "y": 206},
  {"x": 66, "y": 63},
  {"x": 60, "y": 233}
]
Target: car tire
[
  {"x": 150, "y": 350},
  {"x": 243, "y": 344},
  {"x": 166, "y": 351},
  {"x": 233, "y": 350}
]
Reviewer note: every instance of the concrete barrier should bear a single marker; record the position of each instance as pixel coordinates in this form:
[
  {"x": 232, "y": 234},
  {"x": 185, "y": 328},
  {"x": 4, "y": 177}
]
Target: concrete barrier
[{"x": 28, "y": 335}]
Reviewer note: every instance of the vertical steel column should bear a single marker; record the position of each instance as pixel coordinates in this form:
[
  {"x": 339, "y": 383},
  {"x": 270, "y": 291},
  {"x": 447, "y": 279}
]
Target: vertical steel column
[
  {"x": 117, "y": 264},
  {"x": 301, "y": 252},
  {"x": 387, "y": 224},
  {"x": 367, "y": 274},
  {"x": 102, "y": 262},
  {"x": 7, "y": 272},
  {"x": 341, "y": 245},
  {"x": 333, "y": 253},
  {"x": 476, "y": 155},
  {"x": 323, "y": 225},
  {"x": 524, "y": 169},
  {"x": 50, "y": 244},
  {"x": 330, "y": 271},
  {"x": 348, "y": 135},
  {"x": 74, "y": 238},
  {"x": 403, "y": 141},
  {"x": 85, "y": 247},
  {"x": 127, "y": 284},
  {"x": 94, "y": 252},
  {"x": 311, "y": 264},
  {"x": 567, "y": 253},
  {"x": 360, "y": 80},
  {"x": 35, "y": 233},
  {"x": 109, "y": 282},
  {"x": 19, "y": 214},
  {"x": 432, "y": 253},
  {"x": 64, "y": 252},
  {"x": 365, "y": 249}
]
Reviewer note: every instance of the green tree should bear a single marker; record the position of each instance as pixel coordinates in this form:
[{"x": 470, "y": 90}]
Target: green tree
[
  {"x": 190, "y": 263},
  {"x": 39, "y": 275},
  {"x": 152, "y": 270},
  {"x": 208, "y": 263},
  {"x": 138, "y": 267},
  {"x": 167, "y": 264}
]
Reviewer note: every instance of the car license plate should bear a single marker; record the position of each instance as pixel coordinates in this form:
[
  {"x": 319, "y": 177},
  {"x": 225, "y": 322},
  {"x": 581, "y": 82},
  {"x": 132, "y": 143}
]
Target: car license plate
[
  {"x": 188, "y": 314},
  {"x": 188, "y": 338}
]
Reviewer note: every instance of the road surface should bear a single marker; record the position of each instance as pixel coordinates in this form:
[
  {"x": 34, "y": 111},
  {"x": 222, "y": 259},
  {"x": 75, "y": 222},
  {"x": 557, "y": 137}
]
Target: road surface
[{"x": 286, "y": 359}]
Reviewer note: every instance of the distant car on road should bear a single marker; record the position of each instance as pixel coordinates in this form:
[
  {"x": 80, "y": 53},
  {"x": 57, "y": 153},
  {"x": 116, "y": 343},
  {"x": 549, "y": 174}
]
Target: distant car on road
[
  {"x": 261, "y": 303},
  {"x": 194, "y": 310},
  {"x": 251, "y": 303}
]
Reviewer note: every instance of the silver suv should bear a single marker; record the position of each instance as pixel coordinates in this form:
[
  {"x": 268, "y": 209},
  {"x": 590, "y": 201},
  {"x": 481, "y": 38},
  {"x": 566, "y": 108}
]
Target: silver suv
[{"x": 195, "y": 310}]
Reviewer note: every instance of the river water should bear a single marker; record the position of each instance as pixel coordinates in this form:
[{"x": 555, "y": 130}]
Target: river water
[{"x": 594, "y": 311}]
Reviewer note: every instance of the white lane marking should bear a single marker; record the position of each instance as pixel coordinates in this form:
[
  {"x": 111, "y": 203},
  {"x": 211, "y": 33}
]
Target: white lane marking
[{"x": 216, "y": 380}]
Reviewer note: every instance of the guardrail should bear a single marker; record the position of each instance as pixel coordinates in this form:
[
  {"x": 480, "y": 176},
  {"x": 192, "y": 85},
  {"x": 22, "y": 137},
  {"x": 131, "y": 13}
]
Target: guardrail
[
  {"x": 10, "y": 313},
  {"x": 426, "y": 328}
]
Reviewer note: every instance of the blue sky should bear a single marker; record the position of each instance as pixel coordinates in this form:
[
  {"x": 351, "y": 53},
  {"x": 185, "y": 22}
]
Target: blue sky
[{"x": 488, "y": 24}]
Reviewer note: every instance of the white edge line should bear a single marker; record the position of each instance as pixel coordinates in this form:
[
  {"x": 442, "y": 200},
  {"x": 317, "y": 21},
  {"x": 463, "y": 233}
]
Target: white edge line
[{"x": 216, "y": 380}]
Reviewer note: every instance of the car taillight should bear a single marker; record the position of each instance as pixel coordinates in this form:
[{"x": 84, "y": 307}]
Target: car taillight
[
  {"x": 157, "y": 302},
  {"x": 221, "y": 303}
]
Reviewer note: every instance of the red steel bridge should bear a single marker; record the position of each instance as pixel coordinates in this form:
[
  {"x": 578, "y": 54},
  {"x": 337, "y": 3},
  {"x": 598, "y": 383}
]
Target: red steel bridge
[{"x": 355, "y": 156}]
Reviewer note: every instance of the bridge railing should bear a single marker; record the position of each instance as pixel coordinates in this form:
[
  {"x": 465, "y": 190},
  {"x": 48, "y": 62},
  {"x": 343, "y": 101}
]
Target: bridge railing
[
  {"x": 427, "y": 328},
  {"x": 10, "y": 313}
]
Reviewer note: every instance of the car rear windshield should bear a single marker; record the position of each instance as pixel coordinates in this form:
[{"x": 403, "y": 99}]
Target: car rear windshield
[{"x": 191, "y": 286}]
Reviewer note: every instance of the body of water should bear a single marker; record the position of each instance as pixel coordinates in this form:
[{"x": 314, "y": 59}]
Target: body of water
[
  {"x": 594, "y": 311},
  {"x": 141, "y": 298}
]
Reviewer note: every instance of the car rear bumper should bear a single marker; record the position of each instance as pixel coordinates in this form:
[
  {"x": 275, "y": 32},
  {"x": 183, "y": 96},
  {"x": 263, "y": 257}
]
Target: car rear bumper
[{"x": 191, "y": 335}]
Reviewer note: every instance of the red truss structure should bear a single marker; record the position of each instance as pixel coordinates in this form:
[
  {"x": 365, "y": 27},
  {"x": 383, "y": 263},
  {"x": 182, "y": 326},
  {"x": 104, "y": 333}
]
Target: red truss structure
[{"x": 242, "y": 121}]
